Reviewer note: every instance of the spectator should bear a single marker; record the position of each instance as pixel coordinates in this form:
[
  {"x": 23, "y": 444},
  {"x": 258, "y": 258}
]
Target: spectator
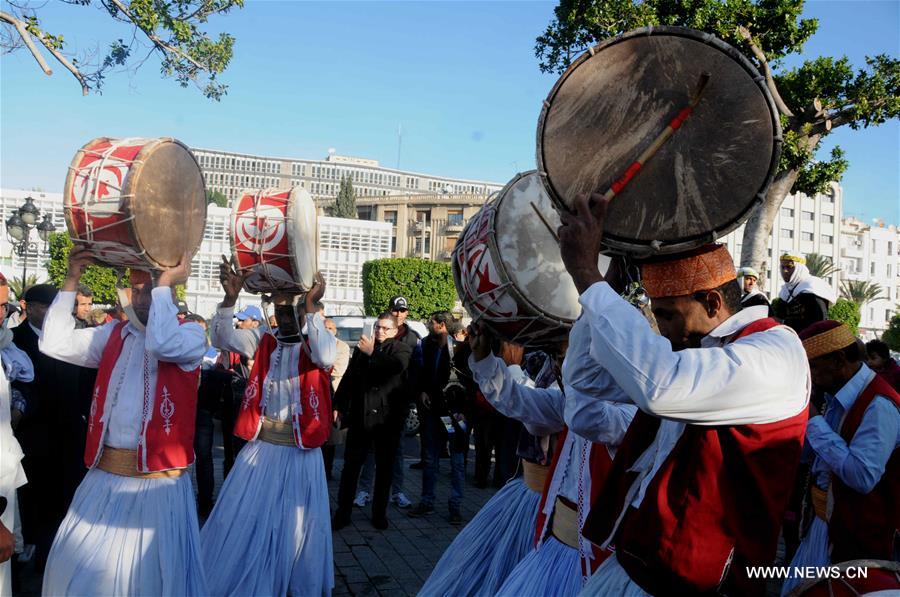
[
  {"x": 341, "y": 360},
  {"x": 20, "y": 314},
  {"x": 436, "y": 403},
  {"x": 84, "y": 302},
  {"x": 371, "y": 404},
  {"x": 250, "y": 317},
  {"x": 208, "y": 402},
  {"x": 273, "y": 323},
  {"x": 183, "y": 310},
  {"x": 98, "y": 317},
  {"x": 878, "y": 357},
  {"x": 805, "y": 298},
  {"x": 751, "y": 295}
]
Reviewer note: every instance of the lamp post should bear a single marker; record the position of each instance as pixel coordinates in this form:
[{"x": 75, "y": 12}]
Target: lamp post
[{"x": 18, "y": 229}]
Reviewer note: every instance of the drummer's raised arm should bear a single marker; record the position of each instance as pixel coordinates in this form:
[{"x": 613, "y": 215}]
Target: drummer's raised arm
[{"x": 221, "y": 328}]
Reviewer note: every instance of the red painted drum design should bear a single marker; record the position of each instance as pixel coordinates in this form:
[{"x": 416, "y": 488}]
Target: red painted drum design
[
  {"x": 274, "y": 233},
  {"x": 675, "y": 123},
  {"x": 856, "y": 577},
  {"x": 137, "y": 203},
  {"x": 508, "y": 270}
]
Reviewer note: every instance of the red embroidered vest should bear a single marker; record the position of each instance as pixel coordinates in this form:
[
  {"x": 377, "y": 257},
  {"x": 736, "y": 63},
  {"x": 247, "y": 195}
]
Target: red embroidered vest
[
  {"x": 168, "y": 416},
  {"x": 715, "y": 505},
  {"x": 599, "y": 466},
  {"x": 866, "y": 526},
  {"x": 310, "y": 412}
]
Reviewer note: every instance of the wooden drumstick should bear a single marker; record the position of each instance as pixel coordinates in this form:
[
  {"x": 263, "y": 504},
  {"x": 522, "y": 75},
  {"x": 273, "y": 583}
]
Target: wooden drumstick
[
  {"x": 544, "y": 220},
  {"x": 664, "y": 136}
]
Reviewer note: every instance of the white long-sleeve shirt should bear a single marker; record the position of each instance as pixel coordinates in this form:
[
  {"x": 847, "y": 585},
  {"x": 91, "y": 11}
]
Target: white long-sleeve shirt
[
  {"x": 761, "y": 378},
  {"x": 282, "y": 378},
  {"x": 164, "y": 339},
  {"x": 16, "y": 367}
]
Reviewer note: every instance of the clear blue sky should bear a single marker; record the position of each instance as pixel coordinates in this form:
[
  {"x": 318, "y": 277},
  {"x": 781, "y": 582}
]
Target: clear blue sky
[{"x": 460, "y": 77}]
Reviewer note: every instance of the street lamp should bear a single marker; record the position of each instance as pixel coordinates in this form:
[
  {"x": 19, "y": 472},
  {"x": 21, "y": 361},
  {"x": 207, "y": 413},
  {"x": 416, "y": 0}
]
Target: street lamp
[{"x": 19, "y": 226}]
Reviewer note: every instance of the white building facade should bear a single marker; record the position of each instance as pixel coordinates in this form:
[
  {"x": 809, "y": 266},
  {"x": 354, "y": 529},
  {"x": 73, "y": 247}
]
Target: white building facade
[{"x": 871, "y": 253}]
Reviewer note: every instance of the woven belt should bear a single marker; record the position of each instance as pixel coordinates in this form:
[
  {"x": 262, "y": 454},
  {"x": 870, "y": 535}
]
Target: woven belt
[
  {"x": 535, "y": 476},
  {"x": 276, "y": 432},
  {"x": 819, "y": 502},
  {"x": 564, "y": 525},
  {"x": 119, "y": 461}
]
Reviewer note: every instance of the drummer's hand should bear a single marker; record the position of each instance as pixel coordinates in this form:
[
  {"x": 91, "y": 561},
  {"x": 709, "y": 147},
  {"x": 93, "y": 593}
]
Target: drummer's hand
[
  {"x": 580, "y": 240},
  {"x": 232, "y": 282},
  {"x": 176, "y": 275},
  {"x": 79, "y": 259},
  {"x": 479, "y": 339},
  {"x": 511, "y": 353},
  {"x": 315, "y": 293}
]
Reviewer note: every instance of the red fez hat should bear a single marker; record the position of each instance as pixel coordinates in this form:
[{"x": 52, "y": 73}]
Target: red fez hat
[
  {"x": 139, "y": 276},
  {"x": 682, "y": 274}
]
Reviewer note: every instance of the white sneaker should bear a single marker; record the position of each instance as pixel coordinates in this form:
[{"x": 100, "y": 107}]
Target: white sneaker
[
  {"x": 401, "y": 500},
  {"x": 362, "y": 498}
]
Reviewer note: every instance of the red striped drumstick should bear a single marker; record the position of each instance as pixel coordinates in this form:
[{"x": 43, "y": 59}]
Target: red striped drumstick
[{"x": 664, "y": 136}]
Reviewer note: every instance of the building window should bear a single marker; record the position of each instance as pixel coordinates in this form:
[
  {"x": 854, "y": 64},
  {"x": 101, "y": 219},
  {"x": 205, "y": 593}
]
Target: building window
[
  {"x": 888, "y": 270},
  {"x": 887, "y": 314},
  {"x": 828, "y": 218},
  {"x": 787, "y": 233},
  {"x": 787, "y": 212},
  {"x": 827, "y": 239},
  {"x": 423, "y": 214},
  {"x": 872, "y": 268},
  {"x": 890, "y": 248},
  {"x": 808, "y": 216},
  {"x": 827, "y": 198},
  {"x": 874, "y": 246},
  {"x": 455, "y": 217},
  {"x": 806, "y": 236},
  {"x": 391, "y": 216}
]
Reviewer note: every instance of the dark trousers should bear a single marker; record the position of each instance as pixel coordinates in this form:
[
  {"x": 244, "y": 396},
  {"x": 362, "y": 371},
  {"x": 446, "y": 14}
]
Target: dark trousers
[
  {"x": 495, "y": 436},
  {"x": 203, "y": 442},
  {"x": 383, "y": 439}
]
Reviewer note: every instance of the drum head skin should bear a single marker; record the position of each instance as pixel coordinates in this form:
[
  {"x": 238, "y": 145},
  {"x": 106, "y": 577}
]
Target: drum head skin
[
  {"x": 614, "y": 101},
  {"x": 303, "y": 234},
  {"x": 168, "y": 200}
]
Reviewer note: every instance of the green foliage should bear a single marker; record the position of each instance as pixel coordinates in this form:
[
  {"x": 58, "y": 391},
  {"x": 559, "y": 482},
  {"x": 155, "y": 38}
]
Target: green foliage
[
  {"x": 17, "y": 288},
  {"x": 847, "y": 312},
  {"x": 172, "y": 30},
  {"x": 345, "y": 204},
  {"x": 855, "y": 97},
  {"x": 428, "y": 285},
  {"x": 101, "y": 280},
  {"x": 820, "y": 266},
  {"x": 216, "y": 197},
  {"x": 891, "y": 336},
  {"x": 860, "y": 291}
]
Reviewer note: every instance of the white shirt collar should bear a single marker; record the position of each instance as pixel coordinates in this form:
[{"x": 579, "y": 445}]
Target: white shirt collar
[
  {"x": 734, "y": 324},
  {"x": 38, "y": 331}
]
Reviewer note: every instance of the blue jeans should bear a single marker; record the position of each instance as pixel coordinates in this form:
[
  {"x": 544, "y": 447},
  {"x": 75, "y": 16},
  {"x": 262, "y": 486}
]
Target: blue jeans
[
  {"x": 367, "y": 476},
  {"x": 431, "y": 464}
]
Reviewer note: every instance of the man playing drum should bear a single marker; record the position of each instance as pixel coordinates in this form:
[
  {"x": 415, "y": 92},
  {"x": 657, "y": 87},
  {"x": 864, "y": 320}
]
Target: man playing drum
[
  {"x": 132, "y": 526},
  {"x": 855, "y": 491},
  {"x": 700, "y": 483},
  {"x": 270, "y": 530}
]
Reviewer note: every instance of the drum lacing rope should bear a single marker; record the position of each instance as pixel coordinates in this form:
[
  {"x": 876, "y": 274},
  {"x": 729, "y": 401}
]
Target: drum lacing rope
[{"x": 92, "y": 175}]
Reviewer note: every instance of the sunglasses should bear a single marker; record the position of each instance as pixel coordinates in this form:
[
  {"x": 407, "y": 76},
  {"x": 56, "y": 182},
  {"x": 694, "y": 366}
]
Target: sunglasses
[{"x": 399, "y": 310}]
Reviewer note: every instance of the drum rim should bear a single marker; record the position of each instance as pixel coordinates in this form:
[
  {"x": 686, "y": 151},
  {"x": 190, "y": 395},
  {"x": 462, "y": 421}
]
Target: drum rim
[
  {"x": 130, "y": 181},
  {"x": 565, "y": 324},
  {"x": 294, "y": 196},
  {"x": 631, "y": 246}
]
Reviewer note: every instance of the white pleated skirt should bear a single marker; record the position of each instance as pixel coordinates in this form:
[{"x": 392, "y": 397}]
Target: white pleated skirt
[
  {"x": 270, "y": 530},
  {"x": 552, "y": 570},
  {"x": 611, "y": 579},
  {"x": 127, "y": 536},
  {"x": 489, "y": 547},
  {"x": 813, "y": 551}
]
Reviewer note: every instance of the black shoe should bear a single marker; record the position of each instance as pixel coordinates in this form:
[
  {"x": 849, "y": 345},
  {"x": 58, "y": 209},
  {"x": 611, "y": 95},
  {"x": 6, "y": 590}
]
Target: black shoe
[
  {"x": 417, "y": 466},
  {"x": 455, "y": 519},
  {"x": 380, "y": 523},
  {"x": 421, "y": 509},
  {"x": 340, "y": 520}
]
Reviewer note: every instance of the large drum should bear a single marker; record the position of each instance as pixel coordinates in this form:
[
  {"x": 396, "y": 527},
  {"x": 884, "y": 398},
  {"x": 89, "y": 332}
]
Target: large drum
[
  {"x": 137, "y": 203},
  {"x": 618, "y": 98},
  {"x": 856, "y": 577},
  {"x": 274, "y": 234},
  {"x": 508, "y": 270}
]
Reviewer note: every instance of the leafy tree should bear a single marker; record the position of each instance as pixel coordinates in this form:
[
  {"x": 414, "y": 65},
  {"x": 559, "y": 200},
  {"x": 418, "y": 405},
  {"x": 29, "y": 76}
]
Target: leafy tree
[
  {"x": 345, "y": 204},
  {"x": 216, "y": 197},
  {"x": 860, "y": 291},
  {"x": 170, "y": 30},
  {"x": 18, "y": 288},
  {"x": 820, "y": 265},
  {"x": 100, "y": 279},
  {"x": 847, "y": 312},
  {"x": 891, "y": 336},
  {"x": 427, "y": 285},
  {"x": 813, "y": 99}
]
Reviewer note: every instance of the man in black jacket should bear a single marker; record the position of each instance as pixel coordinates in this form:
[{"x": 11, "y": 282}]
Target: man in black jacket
[{"x": 371, "y": 403}]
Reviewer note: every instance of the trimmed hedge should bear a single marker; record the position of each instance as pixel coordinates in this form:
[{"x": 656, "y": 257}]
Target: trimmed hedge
[
  {"x": 847, "y": 312},
  {"x": 427, "y": 285}
]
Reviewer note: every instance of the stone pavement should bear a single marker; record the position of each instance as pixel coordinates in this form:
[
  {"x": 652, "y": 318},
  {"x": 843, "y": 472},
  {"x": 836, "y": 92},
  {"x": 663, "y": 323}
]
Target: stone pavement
[{"x": 397, "y": 561}]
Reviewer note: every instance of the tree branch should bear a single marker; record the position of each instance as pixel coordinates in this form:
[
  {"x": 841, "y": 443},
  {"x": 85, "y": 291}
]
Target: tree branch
[
  {"x": 767, "y": 72},
  {"x": 26, "y": 38},
  {"x": 85, "y": 88},
  {"x": 163, "y": 46}
]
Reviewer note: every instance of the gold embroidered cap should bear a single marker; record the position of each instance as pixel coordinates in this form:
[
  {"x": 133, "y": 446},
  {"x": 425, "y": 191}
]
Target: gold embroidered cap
[{"x": 682, "y": 274}]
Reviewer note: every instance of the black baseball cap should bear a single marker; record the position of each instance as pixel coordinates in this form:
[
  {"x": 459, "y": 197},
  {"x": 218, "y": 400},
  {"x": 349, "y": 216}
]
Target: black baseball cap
[
  {"x": 398, "y": 303},
  {"x": 40, "y": 293}
]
